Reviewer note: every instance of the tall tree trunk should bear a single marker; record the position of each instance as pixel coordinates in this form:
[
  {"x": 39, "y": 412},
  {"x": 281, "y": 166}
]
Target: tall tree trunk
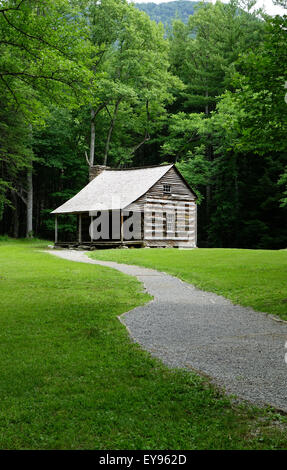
[
  {"x": 15, "y": 217},
  {"x": 91, "y": 158},
  {"x": 29, "y": 231},
  {"x": 93, "y": 137},
  {"x": 147, "y": 136},
  {"x": 111, "y": 130}
]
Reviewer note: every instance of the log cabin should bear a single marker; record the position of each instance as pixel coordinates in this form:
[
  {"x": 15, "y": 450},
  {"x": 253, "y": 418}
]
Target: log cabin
[{"x": 144, "y": 207}]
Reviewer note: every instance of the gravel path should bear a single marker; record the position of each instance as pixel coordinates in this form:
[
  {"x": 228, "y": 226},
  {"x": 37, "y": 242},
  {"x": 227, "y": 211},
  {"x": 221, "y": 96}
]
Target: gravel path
[{"x": 241, "y": 350}]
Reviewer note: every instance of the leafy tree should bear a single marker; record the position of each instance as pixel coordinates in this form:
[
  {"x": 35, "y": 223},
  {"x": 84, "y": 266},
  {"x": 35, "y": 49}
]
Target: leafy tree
[
  {"x": 134, "y": 80},
  {"x": 166, "y": 12},
  {"x": 44, "y": 58},
  {"x": 60, "y": 170},
  {"x": 204, "y": 51},
  {"x": 260, "y": 92},
  {"x": 36, "y": 54},
  {"x": 240, "y": 149}
]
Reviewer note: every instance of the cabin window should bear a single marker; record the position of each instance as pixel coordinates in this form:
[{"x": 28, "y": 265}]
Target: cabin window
[
  {"x": 166, "y": 188},
  {"x": 170, "y": 222}
]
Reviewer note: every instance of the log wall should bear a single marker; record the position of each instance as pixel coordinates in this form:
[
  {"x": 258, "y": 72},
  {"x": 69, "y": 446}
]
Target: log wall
[{"x": 170, "y": 219}]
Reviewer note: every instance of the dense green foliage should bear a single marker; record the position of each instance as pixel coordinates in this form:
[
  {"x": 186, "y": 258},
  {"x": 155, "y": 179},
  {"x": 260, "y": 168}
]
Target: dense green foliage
[
  {"x": 230, "y": 140},
  {"x": 252, "y": 278},
  {"x": 99, "y": 82},
  {"x": 72, "y": 379}
]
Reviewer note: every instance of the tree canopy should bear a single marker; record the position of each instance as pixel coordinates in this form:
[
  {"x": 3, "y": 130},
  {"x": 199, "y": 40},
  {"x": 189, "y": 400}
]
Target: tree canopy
[
  {"x": 166, "y": 12},
  {"x": 85, "y": 82}
]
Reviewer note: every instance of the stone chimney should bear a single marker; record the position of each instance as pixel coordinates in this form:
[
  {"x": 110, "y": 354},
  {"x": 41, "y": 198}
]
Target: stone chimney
[{"x": 96, "y": 170}]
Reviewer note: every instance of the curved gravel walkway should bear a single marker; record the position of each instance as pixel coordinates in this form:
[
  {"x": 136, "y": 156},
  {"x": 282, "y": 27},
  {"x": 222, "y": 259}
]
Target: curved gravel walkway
[{"x": 241, "y": 350}]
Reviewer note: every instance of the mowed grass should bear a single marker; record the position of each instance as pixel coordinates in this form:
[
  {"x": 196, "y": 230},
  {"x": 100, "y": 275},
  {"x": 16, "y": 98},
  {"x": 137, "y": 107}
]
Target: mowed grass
[
  {"x": 252, "y": 278},
  {"x": 72, "y": 379}
]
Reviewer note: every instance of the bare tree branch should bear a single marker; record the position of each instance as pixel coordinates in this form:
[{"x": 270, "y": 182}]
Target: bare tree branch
[
  {"x": 146, "y": 138},
  {"x": 87, "y": 158},
  {"x": 37, "y": 38},
  {"x": 3, "y": 10},
  {"x": 37, "y": 77},
  {"x": 10, "y": 89},
  {"x": 111, "y": 128},
  {"x": 20, "y": 194},
  {"x": 21, "y": 46},
  {"x": 107, "y": 109}
]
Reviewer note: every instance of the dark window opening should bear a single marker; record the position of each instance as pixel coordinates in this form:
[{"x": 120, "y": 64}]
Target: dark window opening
[
  {"x": 153, "y": 223},
  {"x": 166, "y": 188},
  {"x": 164, "y": 225}
]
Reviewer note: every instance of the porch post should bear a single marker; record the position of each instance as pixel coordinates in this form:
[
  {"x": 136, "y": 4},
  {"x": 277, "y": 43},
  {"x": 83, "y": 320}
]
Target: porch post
[
  {"x": 92, "y": 228},
  {"x": 195, "y": 225},
  {"x": 56, "y": 228},
  {"x": 122, "y": 226},
  {"x": 80, "y": 229}
]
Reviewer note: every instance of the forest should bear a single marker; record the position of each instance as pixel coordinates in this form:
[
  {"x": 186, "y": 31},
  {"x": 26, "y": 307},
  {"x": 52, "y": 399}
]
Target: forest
[
  {"x": 85, "y": 82},
  {"x": 166, "y": 12}
]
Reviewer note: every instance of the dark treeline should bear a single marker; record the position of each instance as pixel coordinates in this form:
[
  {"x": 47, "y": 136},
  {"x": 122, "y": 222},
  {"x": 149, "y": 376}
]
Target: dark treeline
[{"x": 85, "y": 82}]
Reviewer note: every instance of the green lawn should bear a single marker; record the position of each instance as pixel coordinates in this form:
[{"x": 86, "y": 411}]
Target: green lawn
[
  {"x": 254, "y": 278},
  {"x": 72, "y": 379}
]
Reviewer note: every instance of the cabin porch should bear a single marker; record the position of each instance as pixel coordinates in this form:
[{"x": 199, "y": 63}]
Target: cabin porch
[
  {"x": 100, "y": 245},
  {"x": 106, "y": 229}
]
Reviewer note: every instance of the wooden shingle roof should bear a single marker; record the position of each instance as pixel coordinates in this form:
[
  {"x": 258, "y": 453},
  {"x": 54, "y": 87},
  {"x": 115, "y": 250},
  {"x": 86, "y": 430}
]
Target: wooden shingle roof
[{"x": 113, "y": 189}]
